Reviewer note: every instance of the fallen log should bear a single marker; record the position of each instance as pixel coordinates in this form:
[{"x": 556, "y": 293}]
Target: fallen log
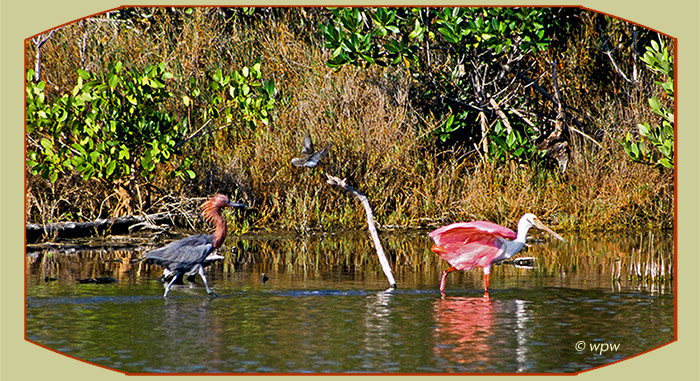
[{"x": 106, "y": 226}]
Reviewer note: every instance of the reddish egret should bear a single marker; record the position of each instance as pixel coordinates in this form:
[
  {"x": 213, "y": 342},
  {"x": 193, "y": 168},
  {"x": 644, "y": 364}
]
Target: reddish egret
[
  {"x": 309, "y": 158},
  {"x": 466, "y": 245},
  {"x": 190, "y": 255}
]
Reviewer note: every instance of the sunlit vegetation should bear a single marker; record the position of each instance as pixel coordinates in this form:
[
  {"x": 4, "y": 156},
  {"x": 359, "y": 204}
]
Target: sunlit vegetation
[{"x": 233, "y": 91}]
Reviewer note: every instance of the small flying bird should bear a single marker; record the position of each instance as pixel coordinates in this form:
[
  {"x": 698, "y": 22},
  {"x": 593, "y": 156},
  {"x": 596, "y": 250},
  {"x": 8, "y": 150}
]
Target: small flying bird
[
  {"x": 309, "y": 158},
  {"x": 190, "y": 255},
  {"x": 466, "y": 245}
]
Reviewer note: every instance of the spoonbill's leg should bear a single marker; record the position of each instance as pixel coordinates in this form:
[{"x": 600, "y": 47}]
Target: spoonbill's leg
[
  {"x": 487, "y": 272},
  {"x": 444, "y": 274}
]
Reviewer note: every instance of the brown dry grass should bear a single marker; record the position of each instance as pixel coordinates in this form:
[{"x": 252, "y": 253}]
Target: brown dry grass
[{"x": 376, "y": 140}]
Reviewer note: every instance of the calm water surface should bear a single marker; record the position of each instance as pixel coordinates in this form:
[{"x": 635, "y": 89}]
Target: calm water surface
[{"x": 327, "y": 308}]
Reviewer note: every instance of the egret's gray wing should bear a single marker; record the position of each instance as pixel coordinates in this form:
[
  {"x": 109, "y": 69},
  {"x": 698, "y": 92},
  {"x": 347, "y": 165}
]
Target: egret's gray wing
[
  {"x": 182, "y": 255},
  {"x": 211, "y": 258}
]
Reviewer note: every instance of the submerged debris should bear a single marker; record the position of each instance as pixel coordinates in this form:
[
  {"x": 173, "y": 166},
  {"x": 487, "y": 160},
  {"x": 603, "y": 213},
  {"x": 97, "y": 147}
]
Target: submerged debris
[{"x": 98, "y": 280}]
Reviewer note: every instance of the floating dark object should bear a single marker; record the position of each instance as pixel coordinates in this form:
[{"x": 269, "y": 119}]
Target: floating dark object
[
  {"x": 309, "y": 158},
  {"x": 188, "y": 256},
  {"x": 98, "y": 280},
  {"x": 264, "y": 278},
  {"x": 524, "y": 262}
]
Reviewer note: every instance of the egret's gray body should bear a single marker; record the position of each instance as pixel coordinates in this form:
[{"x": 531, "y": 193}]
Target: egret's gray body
[
  {"x": 189, "y": 256},
  {"x": 183, "y": 257}
]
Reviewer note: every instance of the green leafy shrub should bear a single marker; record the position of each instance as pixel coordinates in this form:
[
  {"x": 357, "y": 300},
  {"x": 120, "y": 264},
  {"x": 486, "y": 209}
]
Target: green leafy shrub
[
  {"x": 243, "y": 95},
  {"x": 513, "y": 145},
  {"x": 465, "y": 61},
  {"x": 110, "y": 127},
  {"x": 656, "y": 144}
]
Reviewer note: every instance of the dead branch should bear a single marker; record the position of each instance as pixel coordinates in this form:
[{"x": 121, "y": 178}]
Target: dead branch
[
  {"x": 38, "y": 42},
  {"x": 541, "y": 90},
  {"x": 332, "y": 180},
  {"x": 501, "y": 115}
]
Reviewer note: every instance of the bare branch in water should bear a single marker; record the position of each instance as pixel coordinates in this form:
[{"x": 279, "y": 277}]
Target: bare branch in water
[{"x": 332, "y": 180}]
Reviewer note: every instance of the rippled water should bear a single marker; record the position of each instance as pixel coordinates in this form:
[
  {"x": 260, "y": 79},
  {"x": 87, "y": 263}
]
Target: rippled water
[{"x": 327, "y": 308}]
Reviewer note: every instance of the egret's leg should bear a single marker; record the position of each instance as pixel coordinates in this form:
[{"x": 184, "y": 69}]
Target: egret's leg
[
  {"x": 167, "y": 288},
  {"x": 444, "y": 274},
  {"x": 206, "y": 284}
]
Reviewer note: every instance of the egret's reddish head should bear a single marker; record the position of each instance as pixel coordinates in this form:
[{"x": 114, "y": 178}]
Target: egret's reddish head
[{"x": 213, "y": 206}]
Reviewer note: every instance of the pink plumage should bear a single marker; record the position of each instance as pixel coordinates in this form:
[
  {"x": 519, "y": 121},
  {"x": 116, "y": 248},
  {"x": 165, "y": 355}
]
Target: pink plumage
[
  {"x": 466, "y": 245},
  {"x": 460, "y": 231}
]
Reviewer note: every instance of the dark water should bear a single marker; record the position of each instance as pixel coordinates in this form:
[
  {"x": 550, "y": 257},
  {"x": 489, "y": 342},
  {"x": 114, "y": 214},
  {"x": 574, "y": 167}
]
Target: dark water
[{"x": 327, "y": 308}]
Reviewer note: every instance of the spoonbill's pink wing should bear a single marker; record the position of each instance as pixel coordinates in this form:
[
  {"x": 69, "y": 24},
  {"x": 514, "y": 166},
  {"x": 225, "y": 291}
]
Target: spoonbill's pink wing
[
  {"x": 464, "y": 256},
  {"x": 469, "y": 231},
  {"x": 470, "y": 244}
]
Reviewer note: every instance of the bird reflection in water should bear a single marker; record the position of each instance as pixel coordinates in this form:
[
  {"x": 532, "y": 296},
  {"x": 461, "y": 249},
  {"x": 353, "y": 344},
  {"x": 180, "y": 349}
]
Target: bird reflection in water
[
  {"x": 464, "y": 325},
  {"x": 468, "y": 332}
]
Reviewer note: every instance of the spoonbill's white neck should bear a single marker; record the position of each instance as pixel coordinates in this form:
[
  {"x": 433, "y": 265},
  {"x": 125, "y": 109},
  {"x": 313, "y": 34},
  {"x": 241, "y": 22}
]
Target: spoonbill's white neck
[{"x": 526, "y": 222}]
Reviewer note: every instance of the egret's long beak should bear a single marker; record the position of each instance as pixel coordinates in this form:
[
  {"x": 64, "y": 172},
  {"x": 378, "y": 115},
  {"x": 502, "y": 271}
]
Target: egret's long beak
[
  {"x": 540, "y": 225},
  {"x": 237, "y": 205}
]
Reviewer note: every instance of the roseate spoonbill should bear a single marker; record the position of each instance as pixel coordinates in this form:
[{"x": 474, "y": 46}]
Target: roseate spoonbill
[
  {"x": 190, "y": 255},
  {"x": 466, "y": 245},
  {"x": 309, "y": 158}
]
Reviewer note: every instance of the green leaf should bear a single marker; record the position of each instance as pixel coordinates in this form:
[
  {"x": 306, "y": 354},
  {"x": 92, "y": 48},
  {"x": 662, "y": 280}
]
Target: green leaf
[
  {"x": 46, "y": 143},
  {"x": 635, "y": 150},
  {"x": 643, "y": 129},
  {"x": 147, "y": 162},
  {"x": 110, "y": 167},
  {"x": 655, "y": 105},
  {"x": 510, "y": 139},
  {"x": 112, "y": 79},
  {"x": 84, "y": 75},
  {"x": 80, "y": 149}
]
